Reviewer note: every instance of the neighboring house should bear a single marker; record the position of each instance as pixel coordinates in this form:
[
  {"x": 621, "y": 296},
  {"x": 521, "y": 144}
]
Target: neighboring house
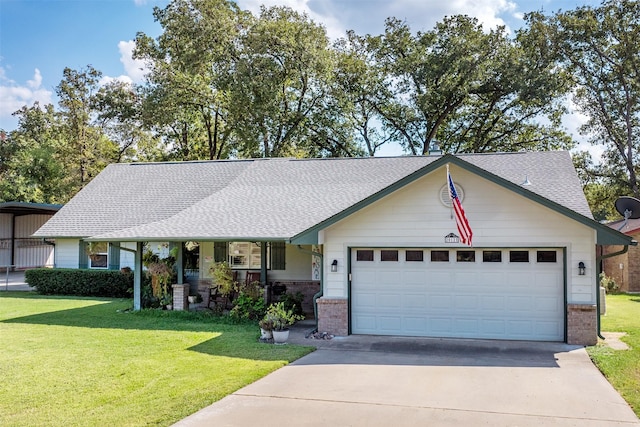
[
  {"x": 377, "y": 236},
  {"x": 624, "y": 269},
  {"x": 18, "y": 221}
]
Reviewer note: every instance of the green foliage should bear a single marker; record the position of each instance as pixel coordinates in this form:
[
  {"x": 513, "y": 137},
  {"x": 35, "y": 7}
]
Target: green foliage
[
  {"x": 293, "y": 302},
  {"x": 223, "y": 278},
  {"x": 67, "y": 281},
  {"x": 600, "y": 48},
  {"x": 609, "y": 283},
  {"x": 280, "y": 317},
  {"x": 248, "y": 307}
]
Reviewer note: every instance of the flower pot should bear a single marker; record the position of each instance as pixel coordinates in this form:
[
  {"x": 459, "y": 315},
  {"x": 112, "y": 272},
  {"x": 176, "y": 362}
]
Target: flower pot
[
  {"x": 265, "y": 334},
  {"x": 280, "y": 337}
]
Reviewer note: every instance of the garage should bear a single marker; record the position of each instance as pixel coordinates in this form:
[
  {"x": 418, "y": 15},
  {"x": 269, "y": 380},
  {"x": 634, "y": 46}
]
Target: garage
[{"x": 511, "y": 294}]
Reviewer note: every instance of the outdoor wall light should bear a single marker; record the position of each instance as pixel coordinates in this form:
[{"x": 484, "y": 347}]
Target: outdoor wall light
[
  {"x": 334, "y": 266},
  {"x": 581, "y": 268}
]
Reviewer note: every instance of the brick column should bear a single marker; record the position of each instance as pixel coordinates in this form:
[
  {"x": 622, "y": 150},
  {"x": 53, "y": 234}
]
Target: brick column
[
  {"x": 582, "y": 324},
  {"x": 180, "y": 297},
  {"x": 333, "y": 316}
]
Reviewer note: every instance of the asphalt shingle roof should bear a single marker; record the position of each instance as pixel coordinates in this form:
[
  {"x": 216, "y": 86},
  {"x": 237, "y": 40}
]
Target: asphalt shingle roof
[{"x": 269, "y": 198}]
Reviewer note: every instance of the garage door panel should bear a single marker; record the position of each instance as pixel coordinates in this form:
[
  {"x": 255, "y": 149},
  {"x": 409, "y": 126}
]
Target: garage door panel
[
  {"x": 415, "y": 301},
  {"x": 443, "y": 302},
  {"x": 466, "y": 302},
  {"x": 491, "y": 303},
  {"x": 388, "y": 301},
  {"x": 503, "y": 300}
]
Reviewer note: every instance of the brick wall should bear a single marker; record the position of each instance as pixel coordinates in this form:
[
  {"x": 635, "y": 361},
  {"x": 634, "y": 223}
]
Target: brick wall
[
  {"x": 181, "y": 297},
  {"x": 333, "y": 316},
  {"x": 582, "y": 324}
]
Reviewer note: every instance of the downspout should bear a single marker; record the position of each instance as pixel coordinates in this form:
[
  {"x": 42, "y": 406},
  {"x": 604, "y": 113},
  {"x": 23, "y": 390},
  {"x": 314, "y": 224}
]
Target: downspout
[
  {"x": 599, "y": 260},
  {"x": 319, "y": 293}
]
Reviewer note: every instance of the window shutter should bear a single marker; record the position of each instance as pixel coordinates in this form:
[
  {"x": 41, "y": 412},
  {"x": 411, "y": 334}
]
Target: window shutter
[
  {"x": 114, "y": 256},
  {"x": 277, "y": 256},
  {"x": 220, "y": 251},
  {"x": 83, "y": 257}
]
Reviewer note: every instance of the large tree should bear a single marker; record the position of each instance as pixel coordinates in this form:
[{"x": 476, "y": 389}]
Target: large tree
[
  {"x": 279, "y": 85},
  {"x": 600, "y": 47},
  {"x": 184, "y": 100},
  {"x": 32, "y": 166},
  {"x": 473, "y": 91}
]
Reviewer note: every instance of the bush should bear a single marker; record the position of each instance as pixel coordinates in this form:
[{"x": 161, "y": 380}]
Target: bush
[
  {"x": 70, "y": 281},
  {"x": 250, "y": 304},
  {"x": 293, "y": 302},
  {"x": 609, "y": 283}
]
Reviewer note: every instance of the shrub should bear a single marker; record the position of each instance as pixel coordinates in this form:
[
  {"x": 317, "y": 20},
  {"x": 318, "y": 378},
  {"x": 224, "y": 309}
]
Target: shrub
[
  {"x": 293, "y": 302},
  {"x": 609, "y": 283},
  {"x": 70, "y": 281},
  {"x": 250, "y": 304}
]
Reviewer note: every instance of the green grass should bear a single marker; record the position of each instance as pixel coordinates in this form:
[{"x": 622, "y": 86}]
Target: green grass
[
  {"x": 622, "y": 367},
  {"x": 70, "y": 361}
]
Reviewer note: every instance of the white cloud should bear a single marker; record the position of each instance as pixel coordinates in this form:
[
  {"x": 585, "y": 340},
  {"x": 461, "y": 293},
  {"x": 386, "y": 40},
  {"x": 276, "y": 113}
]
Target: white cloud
[
  {"x": 368, "y": 17},
  {"x": 135, "y": 69},
  {"x": 14, "y": 96}
]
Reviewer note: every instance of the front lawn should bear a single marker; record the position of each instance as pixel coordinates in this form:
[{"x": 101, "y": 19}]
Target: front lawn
[
  {"x": 70, "y": 361},
  {"x": 622, "y": 367}
]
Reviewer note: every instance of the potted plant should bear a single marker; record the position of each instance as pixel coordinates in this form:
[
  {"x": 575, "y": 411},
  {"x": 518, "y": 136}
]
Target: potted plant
[
  {"x": 266, "y": 328},
  {"x": 282, "y": 318}
]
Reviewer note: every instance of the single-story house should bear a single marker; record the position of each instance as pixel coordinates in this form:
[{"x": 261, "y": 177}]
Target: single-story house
[
  {"x": 377, "y": 235},
  {"x": 18, "y": 221},
  {"x": 624, "y": 268}
]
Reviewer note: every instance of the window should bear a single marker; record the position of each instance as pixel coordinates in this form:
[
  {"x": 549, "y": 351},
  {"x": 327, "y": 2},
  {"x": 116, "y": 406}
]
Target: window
[
  {"x": 246, "y": 255},
  {"x": 547, "y": 256},
  {"x": 491, "y": 256},
  {"x": 518, "y": 256},
  {"x": 440, "y": 256},
  {"x": 466, "y": 256},
  {"x": 99, "y": 255},
  {"x": 364, "y": 255},
  {"x": 388, "y": 255},
  {"x": 412, "y": 255}
]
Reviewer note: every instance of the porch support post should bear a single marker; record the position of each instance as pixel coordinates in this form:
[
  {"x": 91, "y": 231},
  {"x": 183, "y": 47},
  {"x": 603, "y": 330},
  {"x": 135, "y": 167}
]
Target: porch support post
[
  {"x": 263, "y": 263},
  {"x": 180, "y": 263},
  {"x": 137, "y": 277}
]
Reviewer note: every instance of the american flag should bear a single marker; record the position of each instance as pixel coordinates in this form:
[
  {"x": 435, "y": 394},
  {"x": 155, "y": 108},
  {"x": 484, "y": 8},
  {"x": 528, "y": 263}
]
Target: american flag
[{"x": 464, "y": 229}]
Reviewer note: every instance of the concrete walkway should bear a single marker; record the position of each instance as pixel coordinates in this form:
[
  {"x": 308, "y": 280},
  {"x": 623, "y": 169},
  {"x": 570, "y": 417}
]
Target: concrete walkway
[
  {"x": 13, "y": 282},
  {"x": 392, "y": 381}
]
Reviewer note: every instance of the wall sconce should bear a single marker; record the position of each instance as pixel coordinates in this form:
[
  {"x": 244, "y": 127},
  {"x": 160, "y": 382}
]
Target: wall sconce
[
  {"x": 334, "y": 266},
  {"x": 581, "y": 268}
]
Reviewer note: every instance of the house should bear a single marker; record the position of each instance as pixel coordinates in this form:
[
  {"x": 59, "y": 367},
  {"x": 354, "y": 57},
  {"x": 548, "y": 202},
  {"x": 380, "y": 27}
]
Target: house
[
  {"x": 18, "y": 221},
  {"x": 624, "y": 268},
  {"x": 376, "y": 235}
]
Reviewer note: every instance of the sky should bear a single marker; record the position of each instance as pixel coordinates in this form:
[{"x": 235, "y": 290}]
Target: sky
[{"x": 39, "y": 38}]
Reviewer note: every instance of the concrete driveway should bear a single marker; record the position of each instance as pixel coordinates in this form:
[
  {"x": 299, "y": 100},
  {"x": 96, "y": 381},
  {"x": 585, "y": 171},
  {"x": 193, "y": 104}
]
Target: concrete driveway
[{"x": 391, "y": 381}]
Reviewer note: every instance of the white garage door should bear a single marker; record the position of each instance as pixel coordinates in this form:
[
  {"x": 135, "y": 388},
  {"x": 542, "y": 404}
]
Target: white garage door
[{"x": 513, "y": 294}]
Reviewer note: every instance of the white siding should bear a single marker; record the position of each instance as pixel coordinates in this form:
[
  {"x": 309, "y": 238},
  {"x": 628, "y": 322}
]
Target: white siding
[
  {"x": 414, "y": 217},
  {"x": 127, "y": 258},
  {"x": 66, "y": 254}
]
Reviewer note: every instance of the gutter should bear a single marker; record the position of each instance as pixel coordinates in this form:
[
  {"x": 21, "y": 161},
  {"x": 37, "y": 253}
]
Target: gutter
[
  {"x": 599, "y": 260},
  {"x": 320, "y": 292}
]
